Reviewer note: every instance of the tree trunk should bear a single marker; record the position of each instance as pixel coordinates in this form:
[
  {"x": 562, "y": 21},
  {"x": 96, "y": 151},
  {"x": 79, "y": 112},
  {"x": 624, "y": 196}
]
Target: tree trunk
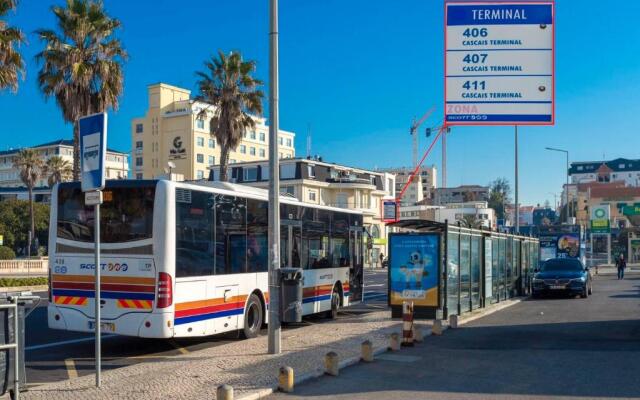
[
  {"x": 224, "y": 161},
  {"x": 76, "y": 151},
  {"x": 33, "y": 222}
]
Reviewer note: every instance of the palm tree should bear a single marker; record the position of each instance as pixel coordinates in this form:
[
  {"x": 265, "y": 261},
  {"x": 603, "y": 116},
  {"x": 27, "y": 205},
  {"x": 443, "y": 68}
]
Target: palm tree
[
  {"x": 11, "y": 62},
  {"x": 30, "y": 166},
  {"x": 58, "y": 170},
  {"x": 228, "y": 86},
  {"x": 81, "y": 64}
]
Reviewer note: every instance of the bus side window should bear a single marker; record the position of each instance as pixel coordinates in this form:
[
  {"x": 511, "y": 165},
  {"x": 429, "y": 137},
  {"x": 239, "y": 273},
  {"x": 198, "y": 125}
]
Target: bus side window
[
  {"x": 257, "y": 239},
  {"x": 231, "y": 235},
  {"x": 194, "y": 235}
]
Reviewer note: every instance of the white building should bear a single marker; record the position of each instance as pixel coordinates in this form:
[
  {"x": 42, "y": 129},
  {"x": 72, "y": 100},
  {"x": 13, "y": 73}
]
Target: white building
[
  {"x": 424, "y": 183},
  {"x": 480, "y": 211},
  {"x": 620, "y": 169},
  {"x": 116, "y": 166}
]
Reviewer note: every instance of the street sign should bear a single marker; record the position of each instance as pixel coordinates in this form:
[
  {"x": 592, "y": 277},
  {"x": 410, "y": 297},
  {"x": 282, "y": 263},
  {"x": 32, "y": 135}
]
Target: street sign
[
  {"x": 93, "y": 198},
  {"x": 93, "y": 146},
  {"x": 600, "y": 220},
  {"x": 499, "y": 63},
  {"x": 389, "y": 210}
]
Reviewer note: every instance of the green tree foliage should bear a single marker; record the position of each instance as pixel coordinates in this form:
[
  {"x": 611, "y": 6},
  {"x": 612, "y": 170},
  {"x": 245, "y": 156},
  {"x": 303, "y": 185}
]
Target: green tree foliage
[
  {"x": 228, "y": 86},
  {"x": 6, "y": 253},
  {"x": 14, "y": 223},
  {"x": 30, "y": 165},
  {"x": 11, "y": 63},
  {"x": 499, "y": 195},
  {"x": 81, "y": 64},
  {"x": 57, "y": 170}
]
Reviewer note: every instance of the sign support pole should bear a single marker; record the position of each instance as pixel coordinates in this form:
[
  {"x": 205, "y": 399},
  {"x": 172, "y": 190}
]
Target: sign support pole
[
  {"x": 609, "y": 248},
  {"x": 97, "y": 294},
  {"x": 274, "y": 186},
  {"x": 517, "y": 205}
]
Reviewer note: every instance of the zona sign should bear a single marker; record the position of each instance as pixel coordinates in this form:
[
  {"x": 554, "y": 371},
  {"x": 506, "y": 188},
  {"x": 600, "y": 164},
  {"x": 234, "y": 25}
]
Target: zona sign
[{"x": 499, "y": 63}]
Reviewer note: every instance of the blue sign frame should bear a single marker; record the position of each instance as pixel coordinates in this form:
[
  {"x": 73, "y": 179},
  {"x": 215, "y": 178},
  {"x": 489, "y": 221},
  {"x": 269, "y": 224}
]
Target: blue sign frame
[{"x": 93, "y": 148}]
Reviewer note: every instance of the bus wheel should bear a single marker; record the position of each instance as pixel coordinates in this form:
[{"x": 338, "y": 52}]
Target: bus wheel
[
  {"x": 335, "y": 305},
  {"x": 253, "y": 317}
]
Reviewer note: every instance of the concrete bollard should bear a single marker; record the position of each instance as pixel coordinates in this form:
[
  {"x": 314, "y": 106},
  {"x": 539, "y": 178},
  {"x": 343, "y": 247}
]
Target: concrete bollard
[
  {"x": 224, "y": 392},
  {"x": 367, "y": 351},
  {"x": 285, "y": 379},
  {"x": 417, "y": 334},
  {"x": 436, "y": 329},
  {"x": 454, "y": 321},
  {"x": 331, "y": 364},
  {"x": 394, "y": 342}
]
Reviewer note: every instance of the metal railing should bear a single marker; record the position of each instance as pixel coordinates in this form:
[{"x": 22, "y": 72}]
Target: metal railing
[{"x": 14, "y": 267}]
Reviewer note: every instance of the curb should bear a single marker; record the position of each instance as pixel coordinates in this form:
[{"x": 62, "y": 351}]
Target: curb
[
  {"x": 39, "y": 288},
  {"x": 489, "y": 311}
]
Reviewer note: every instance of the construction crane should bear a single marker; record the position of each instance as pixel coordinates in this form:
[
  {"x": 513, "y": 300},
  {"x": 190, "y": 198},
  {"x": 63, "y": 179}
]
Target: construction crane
[{"x": 413, "y": 130}]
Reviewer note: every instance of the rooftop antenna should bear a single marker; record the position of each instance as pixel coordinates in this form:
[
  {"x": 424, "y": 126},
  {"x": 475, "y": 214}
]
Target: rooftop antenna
[{"x": 308, "y": 140}]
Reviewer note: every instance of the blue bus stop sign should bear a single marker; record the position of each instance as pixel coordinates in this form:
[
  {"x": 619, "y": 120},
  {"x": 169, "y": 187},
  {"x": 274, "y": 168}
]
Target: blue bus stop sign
[{"x": 93, "y": 146}]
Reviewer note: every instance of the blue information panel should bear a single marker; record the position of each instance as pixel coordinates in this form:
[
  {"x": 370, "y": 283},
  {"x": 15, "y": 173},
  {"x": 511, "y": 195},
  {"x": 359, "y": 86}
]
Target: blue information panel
[
  {"x": 93, "y": 146},
  {"x": 499, "y": 63}
]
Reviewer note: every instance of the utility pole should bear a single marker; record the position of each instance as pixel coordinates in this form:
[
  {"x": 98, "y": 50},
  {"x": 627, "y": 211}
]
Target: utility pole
[
  {"x": 517, "y": 187},
  {"x": 444, "y": 158},
  {"x": 274, "y": 186},
  {"x": 566, "y": 187}
]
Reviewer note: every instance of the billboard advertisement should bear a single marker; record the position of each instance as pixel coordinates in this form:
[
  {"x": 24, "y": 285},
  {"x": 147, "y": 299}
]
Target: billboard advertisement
[
  {"x": 499, "y": 63},
  {"x": 600, "y": 218},
  {"x": 413, "y": 269}
]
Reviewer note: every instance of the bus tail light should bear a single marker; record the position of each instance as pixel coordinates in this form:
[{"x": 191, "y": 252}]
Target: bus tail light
[{"x": 165, "y": 290}]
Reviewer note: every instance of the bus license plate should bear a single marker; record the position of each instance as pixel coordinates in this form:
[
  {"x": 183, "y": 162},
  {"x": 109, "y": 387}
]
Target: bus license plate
[
  {"x": 104, "y": 326},
  {"x": 558, "y": 287}
]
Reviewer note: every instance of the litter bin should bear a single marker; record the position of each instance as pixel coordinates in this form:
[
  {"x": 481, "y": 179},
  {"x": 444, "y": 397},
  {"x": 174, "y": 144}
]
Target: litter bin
[{"x": 291, "y": 282}]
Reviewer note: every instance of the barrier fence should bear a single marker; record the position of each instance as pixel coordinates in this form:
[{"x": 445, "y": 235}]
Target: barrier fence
[{"x": 24, "y": 267}]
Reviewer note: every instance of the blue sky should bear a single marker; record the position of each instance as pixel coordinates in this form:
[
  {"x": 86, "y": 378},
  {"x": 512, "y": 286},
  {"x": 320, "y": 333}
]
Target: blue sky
[{"x": 357, "y": 72}]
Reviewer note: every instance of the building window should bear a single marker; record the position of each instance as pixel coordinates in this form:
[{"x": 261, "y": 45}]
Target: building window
[
  {"x": 138, "y": 145},
  {"x": 312, "y": 195},
  {"x": 289, "y": 143},
  {"x": 280, "y": 141},
  {"x": 200, "y": 174},
  {"x": 287, "y": 190},
  {"x": 252, "y": 135},
  {"x": 243, "y": 149},
  {"x": 138, "y": 161},
  {"x": 212, "y": 144},
  {"x": 200, "y": 141},
  {"x": 250, "y": 174},
  {"x": 311, "y": 169},
  {"x": 264, "y": 172},
  {"x": 200, "y": 123},
  {"x": 232, "y": 161},
  {"x": 139, "y": 128},
  {"x": 212, "y": 160},
  {"x": 138, "y": 176},
  {"x": 287, "y": 171},
  {"x": 280, "y": 155},
  {"x": 262, "y": 153},
  {"x": 262, "y": 137},
  {"x": 252, "y": 151},
  {"x": 200, "y": 158}
]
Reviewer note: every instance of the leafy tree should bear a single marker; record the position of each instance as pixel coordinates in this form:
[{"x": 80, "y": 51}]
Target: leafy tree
[
  {"x": 15, "y": 223},
  {"x": 81, "y": 64},
  {"x": 29, "y": 165},
  {"x": 6, "y": 253},
  {"x": 228, "y": 86},
  {"x": 11, "y": 63},
  {"x": 58, "y": 170},
  {"x": 499, "y": 195}
]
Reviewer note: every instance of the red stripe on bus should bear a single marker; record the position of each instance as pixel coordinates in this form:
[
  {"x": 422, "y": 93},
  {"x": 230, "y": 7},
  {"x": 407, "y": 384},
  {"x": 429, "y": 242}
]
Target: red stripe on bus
[{"x": 207, "y": 310}]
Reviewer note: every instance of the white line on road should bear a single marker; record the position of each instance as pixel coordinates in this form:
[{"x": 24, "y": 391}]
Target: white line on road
[
  {"x": 71, "y": 368},
  {"x": 64, "y": 342}
]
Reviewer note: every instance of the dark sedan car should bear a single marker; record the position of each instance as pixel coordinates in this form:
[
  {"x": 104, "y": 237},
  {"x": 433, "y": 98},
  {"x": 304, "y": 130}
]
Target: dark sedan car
[{"x": 562, "y": 276}]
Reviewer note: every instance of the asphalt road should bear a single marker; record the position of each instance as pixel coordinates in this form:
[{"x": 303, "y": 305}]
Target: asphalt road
[
  {"x": 544, "y": 349},
  {"x": 53, "y": 355}
]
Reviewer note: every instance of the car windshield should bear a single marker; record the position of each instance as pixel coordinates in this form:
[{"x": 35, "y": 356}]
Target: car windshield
[{"x": 570, "y": 265}]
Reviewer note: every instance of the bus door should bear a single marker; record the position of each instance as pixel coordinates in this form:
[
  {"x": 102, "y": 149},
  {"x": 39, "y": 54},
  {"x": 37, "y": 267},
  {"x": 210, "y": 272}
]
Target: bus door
[
  {"x": 355, "y": 272},
  {"x": 291, "y": 252}
]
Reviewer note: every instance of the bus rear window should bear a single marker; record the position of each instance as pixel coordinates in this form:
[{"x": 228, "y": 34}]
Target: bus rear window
[{"x": 126, "y": 214}]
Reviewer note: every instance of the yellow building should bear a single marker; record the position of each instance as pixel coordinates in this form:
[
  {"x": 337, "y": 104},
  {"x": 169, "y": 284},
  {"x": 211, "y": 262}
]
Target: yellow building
[
  {"x": 317, "y": 182},
  {"x": 171, "y": 131}
]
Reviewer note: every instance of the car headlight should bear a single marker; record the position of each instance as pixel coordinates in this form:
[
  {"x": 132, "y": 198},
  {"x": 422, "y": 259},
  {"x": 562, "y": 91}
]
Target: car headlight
[
  {"x": 538, "y": 280},
  {"x": 580, "y": 280}
]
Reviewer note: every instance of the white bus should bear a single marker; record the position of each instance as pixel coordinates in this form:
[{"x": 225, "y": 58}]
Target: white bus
[{"x": 190, "y": 259}]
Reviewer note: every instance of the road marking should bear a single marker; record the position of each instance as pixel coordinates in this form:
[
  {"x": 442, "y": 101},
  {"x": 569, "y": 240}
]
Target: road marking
[
  {"x": 64, "y": 342},
  {"x": 71, "y": 368},
  {"x": 181, "y": 349}
]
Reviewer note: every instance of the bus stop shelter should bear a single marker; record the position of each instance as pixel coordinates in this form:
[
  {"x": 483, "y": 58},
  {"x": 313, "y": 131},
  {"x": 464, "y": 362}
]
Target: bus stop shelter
[{"x": 450, "y": 269}]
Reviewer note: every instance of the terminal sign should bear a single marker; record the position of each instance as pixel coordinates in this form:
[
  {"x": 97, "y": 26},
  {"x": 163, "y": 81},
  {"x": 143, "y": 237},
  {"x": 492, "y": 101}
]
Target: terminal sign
[{"x": 499, "y": 63}]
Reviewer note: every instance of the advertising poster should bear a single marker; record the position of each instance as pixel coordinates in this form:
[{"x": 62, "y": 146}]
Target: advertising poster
[
  {"x": 548, "y": 247},
  {"x": 413, "y": 269},
  {"x": 569, "y": 245}
]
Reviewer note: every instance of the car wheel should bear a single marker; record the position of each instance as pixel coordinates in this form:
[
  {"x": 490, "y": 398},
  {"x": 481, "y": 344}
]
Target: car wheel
[
  {"x": 585, "y": 292},
  {"x": 335, "y": 305},
  {"x": 253, "y": 317},
  {"x": 591, "y": 288}
]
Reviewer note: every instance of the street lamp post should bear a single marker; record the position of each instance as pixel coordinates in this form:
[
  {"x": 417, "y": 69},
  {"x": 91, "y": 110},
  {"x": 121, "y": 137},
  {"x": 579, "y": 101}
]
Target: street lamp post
[{"x": 566, "y": 191}]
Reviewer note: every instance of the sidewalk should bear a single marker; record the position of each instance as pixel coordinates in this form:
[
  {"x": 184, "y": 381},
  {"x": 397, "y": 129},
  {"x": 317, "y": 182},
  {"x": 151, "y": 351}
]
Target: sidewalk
[{"x": 243, "y": 364}]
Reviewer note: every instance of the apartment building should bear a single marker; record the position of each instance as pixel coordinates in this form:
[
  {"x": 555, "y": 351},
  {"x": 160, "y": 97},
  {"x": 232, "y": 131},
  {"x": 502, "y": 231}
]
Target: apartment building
[
  {"x": 423, "y": 185},
  {"x": 620, "y": 169},
  {"x": 116, "y": 165},
  {"x": 460, "y": 194},
  {"x": 173, "y": 130},
  {"x": 317, "y": 182}
]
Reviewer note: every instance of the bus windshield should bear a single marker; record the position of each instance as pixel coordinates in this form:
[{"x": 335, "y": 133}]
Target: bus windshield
[{"x": 126, "y": 214}]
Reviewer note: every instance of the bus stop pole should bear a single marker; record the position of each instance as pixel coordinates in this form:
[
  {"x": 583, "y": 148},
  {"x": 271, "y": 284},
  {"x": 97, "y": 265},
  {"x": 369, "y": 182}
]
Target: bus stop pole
[
  {"x": 97, "y": 293},
  {"x": 274, "y": 186}
]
